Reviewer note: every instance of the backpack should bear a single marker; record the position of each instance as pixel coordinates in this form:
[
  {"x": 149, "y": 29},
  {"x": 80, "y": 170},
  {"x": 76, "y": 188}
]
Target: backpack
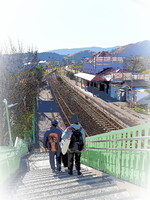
[
  {"x": 53, "y": 142},
  {"x": 76, "y": 142}
]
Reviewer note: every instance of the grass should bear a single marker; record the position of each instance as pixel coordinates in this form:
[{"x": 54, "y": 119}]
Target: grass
[{"x": 141, "y": 108}]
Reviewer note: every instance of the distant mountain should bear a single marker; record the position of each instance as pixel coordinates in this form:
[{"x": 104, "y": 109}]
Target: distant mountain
[
  {"x": 80, "y": 55},
  {"x": 75, "y": 50},
  {"x": 50, "y": 56},
  {"x": 136, "y": 49}
]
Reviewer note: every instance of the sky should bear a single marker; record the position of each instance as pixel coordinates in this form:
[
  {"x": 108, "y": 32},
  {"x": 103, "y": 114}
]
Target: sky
[{"x": 59, "y": 24}]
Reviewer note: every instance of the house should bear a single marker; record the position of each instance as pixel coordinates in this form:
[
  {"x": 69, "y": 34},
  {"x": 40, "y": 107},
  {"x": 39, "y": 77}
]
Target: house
[
  {"x": 43, "y": 62},
  {"x": 109, "y": 78},
  {"x": 101, "y": 61},
  {"x": 135, "y": 91},
  {"x": 83, "y": 79},
  {"x": 117, "y": 83},
  {"x": 143, "y": 97}
]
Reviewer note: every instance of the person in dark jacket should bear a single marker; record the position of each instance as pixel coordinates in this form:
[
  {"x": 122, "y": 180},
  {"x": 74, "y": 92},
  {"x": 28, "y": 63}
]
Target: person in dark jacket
[
  {"x": 74, "y": 151},
  {"x": 52, "y": 138}
]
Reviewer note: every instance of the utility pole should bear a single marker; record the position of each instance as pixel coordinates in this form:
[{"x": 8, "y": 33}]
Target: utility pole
[{"x": 94, "y": 62}]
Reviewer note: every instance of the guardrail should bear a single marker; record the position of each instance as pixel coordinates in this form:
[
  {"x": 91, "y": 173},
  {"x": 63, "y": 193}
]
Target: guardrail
[
  {"x": 124, "y": 154},
  {"x": 10, "y": 158}
]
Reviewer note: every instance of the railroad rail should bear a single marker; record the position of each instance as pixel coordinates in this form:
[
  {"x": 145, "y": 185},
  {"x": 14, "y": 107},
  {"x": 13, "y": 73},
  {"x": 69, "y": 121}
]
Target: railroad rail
[{"x": 94, "y": 120}]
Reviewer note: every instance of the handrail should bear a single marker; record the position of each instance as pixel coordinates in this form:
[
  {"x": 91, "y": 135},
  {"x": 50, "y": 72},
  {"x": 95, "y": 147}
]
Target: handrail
[
  {"x": 123, "y": 153},
  {"x": 4, "y": 152},
  {"x": 10, "y": 159},
  {"x": 10, "y": 156},
  {"x": 121, "y": 139},
  {"x": 116, "y": 149}
]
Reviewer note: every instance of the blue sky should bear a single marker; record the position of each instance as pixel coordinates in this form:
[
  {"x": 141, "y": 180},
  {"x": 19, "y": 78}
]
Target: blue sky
[{"x": 57, "y": 24}]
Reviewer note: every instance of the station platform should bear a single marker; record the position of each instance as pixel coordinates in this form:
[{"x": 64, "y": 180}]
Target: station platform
[{"x": 117, "y": 108}]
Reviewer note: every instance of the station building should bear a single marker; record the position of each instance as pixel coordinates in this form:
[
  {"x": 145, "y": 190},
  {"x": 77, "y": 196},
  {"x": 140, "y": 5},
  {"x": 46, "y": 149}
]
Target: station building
[{"x": 105, "y": 73}]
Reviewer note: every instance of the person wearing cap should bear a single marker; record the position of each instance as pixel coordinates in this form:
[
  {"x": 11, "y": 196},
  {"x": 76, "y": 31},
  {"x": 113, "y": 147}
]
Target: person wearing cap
[
  {"x": 74, "y": 153},
  {"x": 53, "y": 152}
]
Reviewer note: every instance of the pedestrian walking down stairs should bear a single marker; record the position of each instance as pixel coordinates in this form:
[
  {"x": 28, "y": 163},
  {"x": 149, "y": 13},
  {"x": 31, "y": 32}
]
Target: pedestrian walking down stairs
[{"x": 38, "y": 182}]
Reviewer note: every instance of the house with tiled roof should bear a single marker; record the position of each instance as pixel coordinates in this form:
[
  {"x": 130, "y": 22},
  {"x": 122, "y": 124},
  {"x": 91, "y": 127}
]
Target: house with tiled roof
[
  {"x": 106, "y": 79},
  {"x": 101, "y": 61},
  {"x": 117, "y": 83}
]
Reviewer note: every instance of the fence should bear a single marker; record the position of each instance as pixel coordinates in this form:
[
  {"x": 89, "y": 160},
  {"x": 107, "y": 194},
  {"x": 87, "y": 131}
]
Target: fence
[
  {"x": 124, "y": 154},
  {"x": 10, "y": 158}
]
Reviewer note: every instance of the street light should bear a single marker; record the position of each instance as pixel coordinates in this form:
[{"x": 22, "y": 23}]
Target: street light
[{"x": 8, "y": 121}]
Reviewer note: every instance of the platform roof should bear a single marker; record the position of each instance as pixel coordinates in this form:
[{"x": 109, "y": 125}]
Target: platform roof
[{"x": 85, "y": 76}]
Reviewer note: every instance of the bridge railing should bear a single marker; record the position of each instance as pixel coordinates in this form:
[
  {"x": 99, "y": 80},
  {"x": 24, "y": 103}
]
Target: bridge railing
[
  {"x": 10, "y": 158},
  {"x": 124, "y": 154}
]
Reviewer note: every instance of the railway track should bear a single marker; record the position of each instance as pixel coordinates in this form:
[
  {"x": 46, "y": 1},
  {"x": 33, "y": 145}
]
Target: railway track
[{"x": 94, "y": 120}]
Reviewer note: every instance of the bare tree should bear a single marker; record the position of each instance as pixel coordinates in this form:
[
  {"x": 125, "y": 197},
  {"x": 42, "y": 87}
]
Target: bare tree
[
  {"x": 18, "y": 84},
  {"x": 135, "y": 64}
]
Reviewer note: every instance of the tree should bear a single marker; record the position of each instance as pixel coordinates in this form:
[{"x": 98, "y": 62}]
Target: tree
[
  {"x": 18, "y": 84},
  {"x": 70, "y": 75},
  {"x": 135, "y": 64}
]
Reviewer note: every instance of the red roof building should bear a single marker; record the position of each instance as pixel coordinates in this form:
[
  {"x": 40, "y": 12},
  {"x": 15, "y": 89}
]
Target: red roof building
[{"x": 112, "y": 75}]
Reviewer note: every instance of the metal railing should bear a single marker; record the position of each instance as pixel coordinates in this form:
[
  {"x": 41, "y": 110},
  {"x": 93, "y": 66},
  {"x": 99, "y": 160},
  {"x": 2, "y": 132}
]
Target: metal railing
[
  {"x": 10, "y": 158},
  {"x": 124, "y": 154}
]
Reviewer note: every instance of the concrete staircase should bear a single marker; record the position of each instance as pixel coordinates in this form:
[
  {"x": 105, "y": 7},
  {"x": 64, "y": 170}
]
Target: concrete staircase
[{"x": 38, "y": 182}]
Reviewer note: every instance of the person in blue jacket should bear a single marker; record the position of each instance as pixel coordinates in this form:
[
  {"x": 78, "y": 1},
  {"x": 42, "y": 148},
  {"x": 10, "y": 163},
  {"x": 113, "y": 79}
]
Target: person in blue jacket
[
  {"x": 52, "y": 138},
  {"x": 74, "y": 153}
]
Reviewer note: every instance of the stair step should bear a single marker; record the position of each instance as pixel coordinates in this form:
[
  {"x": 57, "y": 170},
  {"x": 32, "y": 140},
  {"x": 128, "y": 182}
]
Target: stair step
[
  {"x": 51, "y": 177},
  {"x": 97, "y": 193},
  {"x": 68, "y": 190},
  {"x": 47, "y": 173},
  {"x": 63, "y": 184},
  {"x": 41, "y": 184},
  {"x": 112, "y": 195},
  {"x": 133, "y": 198},
  {"x": 57, "y": 181}
]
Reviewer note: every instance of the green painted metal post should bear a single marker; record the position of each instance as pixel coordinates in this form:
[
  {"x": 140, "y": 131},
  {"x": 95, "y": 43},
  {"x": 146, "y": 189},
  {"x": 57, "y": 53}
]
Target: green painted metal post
[
  {"x": 33, "y": 130},
  {"x": 8, "y": 122}
]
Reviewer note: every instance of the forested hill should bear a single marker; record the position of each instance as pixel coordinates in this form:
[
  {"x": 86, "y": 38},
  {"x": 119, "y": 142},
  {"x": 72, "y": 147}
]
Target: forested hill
[
  {"x": 80, "y": 55},
  {"x": 136, "y": 49},
  {"x": 76, "y": 50},
  {"x": 50, "y": 56}
]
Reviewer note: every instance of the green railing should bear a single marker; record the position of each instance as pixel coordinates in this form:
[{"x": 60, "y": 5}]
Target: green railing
[
  {"x": 124, "y": 154},
  {"x": 10, "y": 158}
]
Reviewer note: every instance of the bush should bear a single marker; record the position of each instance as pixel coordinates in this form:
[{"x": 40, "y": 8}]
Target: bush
[{"x": 70, "y": 75}]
